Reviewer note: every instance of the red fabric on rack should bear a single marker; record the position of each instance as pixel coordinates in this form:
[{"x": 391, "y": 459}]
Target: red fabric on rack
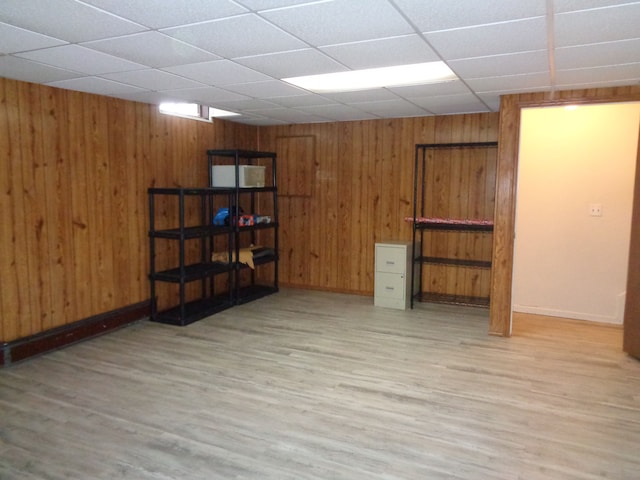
[{"x": 448, "y": 221}]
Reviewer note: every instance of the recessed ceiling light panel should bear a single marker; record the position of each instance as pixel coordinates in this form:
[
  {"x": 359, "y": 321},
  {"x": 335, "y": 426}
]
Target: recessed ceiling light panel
[{"x": 371, "y": 78}]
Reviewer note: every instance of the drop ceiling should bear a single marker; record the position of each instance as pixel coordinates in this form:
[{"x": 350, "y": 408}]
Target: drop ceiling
[{"x": 232, "y": 54}]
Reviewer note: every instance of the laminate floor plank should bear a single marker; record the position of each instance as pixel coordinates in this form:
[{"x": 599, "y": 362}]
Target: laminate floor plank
[{"x": 316, "y": 385}]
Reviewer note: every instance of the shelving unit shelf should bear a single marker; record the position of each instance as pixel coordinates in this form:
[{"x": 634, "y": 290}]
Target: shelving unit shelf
[
  {"x": 453, "y": 299},
  {"x": 194, "y": 225},
  {"x": 441, "y": 187},
  {"x": 461, "y": 262},
  {"x": 253, "y": 198}
]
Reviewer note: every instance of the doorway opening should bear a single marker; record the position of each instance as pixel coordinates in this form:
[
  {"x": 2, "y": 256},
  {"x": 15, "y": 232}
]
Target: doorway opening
[{"x": 574, "y": 201}]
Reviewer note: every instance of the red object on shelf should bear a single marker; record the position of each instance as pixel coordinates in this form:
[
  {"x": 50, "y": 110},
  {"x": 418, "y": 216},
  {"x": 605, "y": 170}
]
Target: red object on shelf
[
  {"x": 448, "y": 221},
  {"x": 245, "y": 221}
]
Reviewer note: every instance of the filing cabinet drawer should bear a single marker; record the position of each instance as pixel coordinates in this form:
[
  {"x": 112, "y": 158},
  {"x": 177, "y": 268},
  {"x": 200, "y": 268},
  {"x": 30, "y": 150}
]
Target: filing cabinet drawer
[
  {"x": 390, "y": 285},
  {"x": 386, "y": 302},
  {"x": 391, "y": 259}
]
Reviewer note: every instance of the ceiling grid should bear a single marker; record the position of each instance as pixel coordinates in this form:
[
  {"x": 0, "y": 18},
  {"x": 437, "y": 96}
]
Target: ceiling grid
[{"x": 233, "y": 54}]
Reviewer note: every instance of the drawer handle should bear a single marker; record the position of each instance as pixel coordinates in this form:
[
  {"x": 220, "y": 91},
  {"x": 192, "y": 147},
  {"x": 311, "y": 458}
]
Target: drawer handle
[
  {"x": 389, "y": 288},
  {"x": 389, "y": 262}
]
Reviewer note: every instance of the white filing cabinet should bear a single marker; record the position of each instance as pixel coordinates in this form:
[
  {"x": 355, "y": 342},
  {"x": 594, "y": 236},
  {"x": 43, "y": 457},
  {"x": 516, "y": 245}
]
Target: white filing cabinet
[{"x": 393, "y": 275}]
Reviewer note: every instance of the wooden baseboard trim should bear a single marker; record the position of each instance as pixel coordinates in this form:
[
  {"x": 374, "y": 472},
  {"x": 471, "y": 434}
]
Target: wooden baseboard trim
[
  {"x": 538, "y": 318},
  {"x": 55, "y": 338}
]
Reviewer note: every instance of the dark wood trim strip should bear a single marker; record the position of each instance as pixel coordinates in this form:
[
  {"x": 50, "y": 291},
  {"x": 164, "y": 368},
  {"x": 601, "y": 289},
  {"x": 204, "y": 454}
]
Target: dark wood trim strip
[
  {"x": 504, "y": 217},
  {"x": 631, "y": 342},
  {"x": 55, "y": 338}
]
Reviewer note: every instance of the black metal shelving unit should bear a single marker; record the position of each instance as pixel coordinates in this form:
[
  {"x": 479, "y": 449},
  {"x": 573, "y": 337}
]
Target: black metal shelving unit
[
  {"x": 419, "y": 208},
  {"x": 195, "y": 238},
  {"x": 247, "y": 285},
  {"x": 199, "y": 229}
]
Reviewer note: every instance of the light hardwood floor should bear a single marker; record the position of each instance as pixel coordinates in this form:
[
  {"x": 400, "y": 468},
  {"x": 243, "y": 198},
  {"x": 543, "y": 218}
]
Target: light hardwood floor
[{"x": 313, "y": 385}]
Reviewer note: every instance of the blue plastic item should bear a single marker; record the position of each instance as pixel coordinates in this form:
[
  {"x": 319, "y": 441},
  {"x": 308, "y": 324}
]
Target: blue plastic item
[{"x": 221, "y": 216}]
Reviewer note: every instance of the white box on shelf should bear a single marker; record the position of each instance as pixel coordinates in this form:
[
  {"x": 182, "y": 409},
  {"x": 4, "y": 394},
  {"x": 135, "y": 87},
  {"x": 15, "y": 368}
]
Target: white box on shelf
[{"x": 249, "y": 176}]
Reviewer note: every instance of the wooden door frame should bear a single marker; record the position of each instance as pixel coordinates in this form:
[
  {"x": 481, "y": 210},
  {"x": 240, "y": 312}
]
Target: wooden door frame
[
  {"x": 506, "y": 181},
  {"x": 631, "y": 342}
]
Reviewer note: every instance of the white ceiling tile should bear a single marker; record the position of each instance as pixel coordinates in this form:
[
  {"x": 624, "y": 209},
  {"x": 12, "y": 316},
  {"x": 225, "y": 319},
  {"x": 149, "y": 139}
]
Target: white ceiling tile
[
  {"x": 263, "y": 121},
  {"x": 374, "y": 95},
  {"x": 151, "y": 48},
  {"x": 15, "y": 39},
  {"x": 239, "y": 36},
  {"x": 246, "y": 104},
  {"x": 270, "y": 89},
  {"x": 511, "y": 83},
  {"x": 289, "y": 115},
  {"x": 491, "y": 100},
  {"x": 292, "y": 64},
  {"x": 447, "y": 14},
  {"x": 391, "y": 108},
  {"x": 302, "y": 101},
  {"x": 574, "y": 5},
  {"x": 96, "y": 85},
  {"x": 508, "y": 64},
  {"x": 340, "y": 21},
  {"x": 487, "y": 40},
  {"x": 384, "y": 52},
  {"x": 154, "y": 98},
  {"x": 599, "y": 54},
  {"x": 338, "y": 112},
  {"x": 452, "y": 104},
  {"x": 158, "y": 14},
  {"x": 206, "y": 95},
  {"x": 258, "y": 5},
  {"x": 152, "y": 80},
  {"x": 454, "y": 109},
  {"x": 432, "y": 89},
  {"x": 599, "y": 25},
  {"x": 65, "y": 19},
  {"x": 630, "y": 72},
  {"x": 81, "y": 59},
  {"x": 28, "y": 71},
  {"x": 593, "y": 84},
  {"x": 218, "y": 73}
]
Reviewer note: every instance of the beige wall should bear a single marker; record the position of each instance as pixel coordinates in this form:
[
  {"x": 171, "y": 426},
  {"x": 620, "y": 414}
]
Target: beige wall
[{"x": 568, "y": 263}]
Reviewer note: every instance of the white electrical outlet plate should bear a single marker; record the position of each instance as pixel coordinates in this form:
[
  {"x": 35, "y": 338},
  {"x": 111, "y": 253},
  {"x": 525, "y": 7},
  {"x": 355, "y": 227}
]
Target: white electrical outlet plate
[{"x": 595, "y": 209}]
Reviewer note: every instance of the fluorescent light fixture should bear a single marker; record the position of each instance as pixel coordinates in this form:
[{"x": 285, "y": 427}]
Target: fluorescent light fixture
[{"x": 398, "y": 76}]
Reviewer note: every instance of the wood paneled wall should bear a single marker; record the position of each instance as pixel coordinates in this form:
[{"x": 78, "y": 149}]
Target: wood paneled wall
[
  {"x": 355, "y": 190},
  {"x": 74, "y": 170},
  {"x": 507, "y": 170}
]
